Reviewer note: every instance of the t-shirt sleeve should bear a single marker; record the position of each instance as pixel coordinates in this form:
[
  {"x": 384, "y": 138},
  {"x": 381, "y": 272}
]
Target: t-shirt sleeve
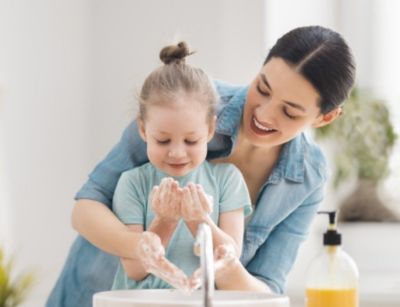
[
  {"x": 234, "y": 193},
  {"x": 130, "y": 200}
]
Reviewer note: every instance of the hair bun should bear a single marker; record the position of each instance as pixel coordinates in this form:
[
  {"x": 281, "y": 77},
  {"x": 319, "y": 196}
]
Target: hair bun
[{"x": 175, "y": 53}]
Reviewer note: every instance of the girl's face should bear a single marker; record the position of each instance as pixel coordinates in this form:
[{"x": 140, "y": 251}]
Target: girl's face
[
  {"x": 280, "y": 104},
  {"x": 177, "y": 135}
]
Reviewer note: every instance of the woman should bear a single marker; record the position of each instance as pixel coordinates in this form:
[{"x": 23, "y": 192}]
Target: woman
[{"x": 303, "y": 82}]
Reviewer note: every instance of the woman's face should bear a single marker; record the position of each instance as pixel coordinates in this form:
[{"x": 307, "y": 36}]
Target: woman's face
[{"x": 280, "y": 104}]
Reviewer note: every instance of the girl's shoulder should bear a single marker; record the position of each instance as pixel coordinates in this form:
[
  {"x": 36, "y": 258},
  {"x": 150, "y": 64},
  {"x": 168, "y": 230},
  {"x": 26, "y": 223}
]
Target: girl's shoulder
[
  {"x": 225, "y": 173},
  {"x": 222, "y": 168},
  {"x": 139, "y": 174}
]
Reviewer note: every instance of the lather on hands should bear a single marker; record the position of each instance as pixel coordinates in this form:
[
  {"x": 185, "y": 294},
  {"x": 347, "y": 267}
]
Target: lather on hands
[
  {"x": 225, "y": 260},
  {"x": 165, "y": 200},
  {"x": 170, "y": 203},
  {"x": 152, "y": 255}
]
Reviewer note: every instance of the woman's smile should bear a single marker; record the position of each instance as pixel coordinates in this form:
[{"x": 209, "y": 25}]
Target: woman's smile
[{"x": 261, "y": 128}]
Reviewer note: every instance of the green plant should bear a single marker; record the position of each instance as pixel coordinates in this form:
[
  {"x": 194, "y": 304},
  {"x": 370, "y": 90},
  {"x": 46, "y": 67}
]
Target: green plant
[
  {"x": 13, "y": 290},
  {"x": 363, "y": 137}
]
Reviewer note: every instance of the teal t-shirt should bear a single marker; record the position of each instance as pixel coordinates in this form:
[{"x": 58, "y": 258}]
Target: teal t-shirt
[{"x": 222, "y": 181}]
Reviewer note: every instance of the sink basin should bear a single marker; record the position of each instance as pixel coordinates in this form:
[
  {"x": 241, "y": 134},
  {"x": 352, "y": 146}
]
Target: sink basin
[{"x": 158, "y": 298}]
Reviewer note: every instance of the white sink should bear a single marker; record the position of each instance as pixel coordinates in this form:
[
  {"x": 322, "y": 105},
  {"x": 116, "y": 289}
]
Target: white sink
[{"x": 158, "y": 298}]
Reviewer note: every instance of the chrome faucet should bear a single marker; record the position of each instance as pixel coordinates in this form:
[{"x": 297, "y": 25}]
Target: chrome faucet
[{"x": 204, "y": 243}]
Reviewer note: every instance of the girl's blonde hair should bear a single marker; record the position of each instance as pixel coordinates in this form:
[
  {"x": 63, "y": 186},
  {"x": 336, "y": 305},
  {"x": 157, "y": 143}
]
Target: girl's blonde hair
[{"x": 174, "y": 80}]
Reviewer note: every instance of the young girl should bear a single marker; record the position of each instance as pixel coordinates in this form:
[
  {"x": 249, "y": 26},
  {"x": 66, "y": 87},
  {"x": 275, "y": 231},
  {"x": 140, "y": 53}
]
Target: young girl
[{"x": 176, "y": 120}]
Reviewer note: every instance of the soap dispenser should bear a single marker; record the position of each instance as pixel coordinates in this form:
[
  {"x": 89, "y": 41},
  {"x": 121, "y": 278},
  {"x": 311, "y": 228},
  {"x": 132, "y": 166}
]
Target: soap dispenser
[{"x": 332, "y": 277}]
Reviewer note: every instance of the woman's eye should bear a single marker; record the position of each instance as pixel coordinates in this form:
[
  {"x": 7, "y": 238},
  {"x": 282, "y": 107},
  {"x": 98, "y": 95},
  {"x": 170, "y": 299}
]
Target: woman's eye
[
  {"x": 162, "y": 142},
  {"x": 262, "y": 92},
  {"x": 190, "y": 142},
  {"x": 288, "y": 114}
]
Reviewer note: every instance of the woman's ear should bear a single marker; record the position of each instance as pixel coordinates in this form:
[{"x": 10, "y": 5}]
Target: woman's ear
[
  {"x": 141, "y": 128},
  {"x": 327, "y": 118},
  {"x": 211, "y": 129}
]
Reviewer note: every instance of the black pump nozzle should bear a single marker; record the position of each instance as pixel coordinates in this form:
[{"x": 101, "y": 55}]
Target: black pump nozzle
[
  {"x": 331, "y": 236},
  {"x": 332, "y": 217}
]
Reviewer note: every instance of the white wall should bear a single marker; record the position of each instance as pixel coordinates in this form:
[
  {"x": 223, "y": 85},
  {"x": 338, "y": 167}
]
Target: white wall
[
  {"x": 44, "y": 123},
  {"x": 128, "y": 35}
]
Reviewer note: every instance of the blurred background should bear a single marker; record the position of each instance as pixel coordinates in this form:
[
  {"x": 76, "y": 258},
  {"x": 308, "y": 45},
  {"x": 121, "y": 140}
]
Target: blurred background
[{"x": 69, "y": 72}]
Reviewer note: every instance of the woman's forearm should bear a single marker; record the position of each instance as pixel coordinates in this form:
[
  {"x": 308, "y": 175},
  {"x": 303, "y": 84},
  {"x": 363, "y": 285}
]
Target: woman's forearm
[
  {"x": 98, "y": 224},
  {"x": 238, "y": 278}
]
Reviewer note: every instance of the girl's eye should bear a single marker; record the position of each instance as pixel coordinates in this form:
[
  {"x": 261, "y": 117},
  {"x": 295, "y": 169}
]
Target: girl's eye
[
  {"x": 189, "y": 142},
  {"x": 262, "y": 92},
  {"x": 288, "y": 114},
  {"x": 162, "y": 142}
]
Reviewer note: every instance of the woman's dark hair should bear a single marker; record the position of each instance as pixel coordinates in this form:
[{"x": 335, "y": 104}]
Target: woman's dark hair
[{"x": 322, "y": 57}]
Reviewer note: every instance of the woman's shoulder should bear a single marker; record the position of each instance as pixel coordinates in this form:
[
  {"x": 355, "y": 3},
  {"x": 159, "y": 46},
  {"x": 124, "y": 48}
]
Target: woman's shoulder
[{"x": 227, "y": 90}]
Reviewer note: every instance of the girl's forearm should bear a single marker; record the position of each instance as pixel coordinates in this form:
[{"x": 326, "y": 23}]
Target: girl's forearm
[{"x": 163, "y": 228}]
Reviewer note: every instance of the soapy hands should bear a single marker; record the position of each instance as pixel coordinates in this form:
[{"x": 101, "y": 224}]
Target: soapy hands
[
  {"x": 225, "y": 260},
  {"x": 196, "y": 205},
  {"x": 171, "y": 202},
  {"x": 165, "y": 200},
  {"x": 152, "y": 256}
]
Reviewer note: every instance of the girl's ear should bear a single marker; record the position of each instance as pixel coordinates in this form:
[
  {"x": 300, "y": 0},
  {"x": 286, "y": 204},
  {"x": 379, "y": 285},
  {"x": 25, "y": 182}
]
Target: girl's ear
[
  {"x": 141, "y": 128},
  {"x": 211, "y": 129},
  {"x": 327, "y": 118}
]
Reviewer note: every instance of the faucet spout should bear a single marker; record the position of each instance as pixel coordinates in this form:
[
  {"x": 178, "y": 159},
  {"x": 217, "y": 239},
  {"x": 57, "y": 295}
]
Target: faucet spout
[{"x": 204, "y": 241}]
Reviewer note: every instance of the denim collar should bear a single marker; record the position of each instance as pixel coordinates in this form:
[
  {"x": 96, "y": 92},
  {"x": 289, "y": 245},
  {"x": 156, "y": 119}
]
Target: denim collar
[{"x": 291, "y": 160}]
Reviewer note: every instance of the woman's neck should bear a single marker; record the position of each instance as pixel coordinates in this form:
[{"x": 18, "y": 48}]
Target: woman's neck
[
  {"x": 255, "y": 163},
  {"x": 249, "y": 154}
]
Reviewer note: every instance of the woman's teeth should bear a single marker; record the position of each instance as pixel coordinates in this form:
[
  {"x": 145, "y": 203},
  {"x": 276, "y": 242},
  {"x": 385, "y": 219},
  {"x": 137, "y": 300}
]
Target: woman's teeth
[{"x": 261, "y": 127}]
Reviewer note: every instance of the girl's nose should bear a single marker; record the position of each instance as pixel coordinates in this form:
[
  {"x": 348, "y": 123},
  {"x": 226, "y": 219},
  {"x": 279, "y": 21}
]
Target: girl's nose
[{"x": 177, "y": 151}]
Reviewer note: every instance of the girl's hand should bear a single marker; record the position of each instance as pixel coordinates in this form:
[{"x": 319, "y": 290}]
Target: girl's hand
[
  {"x": 165, "y": 200},
  {"x": 196, "y": 205},
  {"x": 152, "y": 255}
]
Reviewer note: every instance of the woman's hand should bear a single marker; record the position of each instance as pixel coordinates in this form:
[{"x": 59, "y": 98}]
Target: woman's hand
[
  {"x": 165, "y": 200},
  {"x": 152, "y": 256},
  {"x": 196, "y": 205},
  {"x": 225, "y": 260}
]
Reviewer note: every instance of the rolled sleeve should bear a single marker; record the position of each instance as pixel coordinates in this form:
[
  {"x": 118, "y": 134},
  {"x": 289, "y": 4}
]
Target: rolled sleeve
[
  {"x": 129, "y": 152},
  {"x": 275, "y": 257}
]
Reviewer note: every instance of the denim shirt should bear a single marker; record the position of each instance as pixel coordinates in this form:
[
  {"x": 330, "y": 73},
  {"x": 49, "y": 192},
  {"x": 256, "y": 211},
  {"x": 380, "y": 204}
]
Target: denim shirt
[{"x": 285, "y": 207}]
